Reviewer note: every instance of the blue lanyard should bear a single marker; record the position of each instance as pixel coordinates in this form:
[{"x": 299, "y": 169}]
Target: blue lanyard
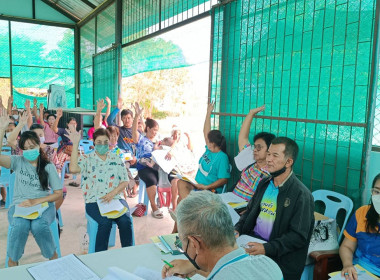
[{"x": 228, "y": 263}]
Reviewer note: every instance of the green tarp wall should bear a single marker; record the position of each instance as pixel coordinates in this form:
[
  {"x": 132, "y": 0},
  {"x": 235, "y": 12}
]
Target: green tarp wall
[{"x": 310, "y": 63}]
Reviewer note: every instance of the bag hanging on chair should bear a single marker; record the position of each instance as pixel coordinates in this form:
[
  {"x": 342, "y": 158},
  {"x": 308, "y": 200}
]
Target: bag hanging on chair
[{"x": 324, "y": 236}]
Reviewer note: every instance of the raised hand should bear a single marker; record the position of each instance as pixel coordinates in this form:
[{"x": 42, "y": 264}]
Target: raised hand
[
  {"x": 4, "y": 119},
  {"x": 108, "y": 101},
  {"x": 27, "y": 104},
  {"x": 59, "y": 113},
  {"x": 139, "y": 110},
  {"x": 42, "y": 107},
  {"x": 210, "y": 107},
  {"x": 73, "y": 135},
  {"x": 23, "y": 120},
  {"x": 100, "y": 105},
  {"x": 119, "y": 103},
  {"x": 257, "y": 110},
  {"x": 34, "y": 102}
]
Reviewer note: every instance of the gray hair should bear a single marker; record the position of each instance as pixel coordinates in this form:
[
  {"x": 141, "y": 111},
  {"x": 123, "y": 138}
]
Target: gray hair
[{"x": 203, "y": 213}]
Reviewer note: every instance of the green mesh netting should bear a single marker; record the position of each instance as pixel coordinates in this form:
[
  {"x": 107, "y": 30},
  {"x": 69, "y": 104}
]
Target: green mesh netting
[
  {"x": 106, "y": 28},
  {"x": 4, "y": 49},
  {"x": 306, "y": 60},
  {"x": 106, "y": 75},
  {"x": 87, "y": 43},
  {"x": 41, "y": 55},
  {"x": 150, "y": 55},
  {"x": 144, "y": 17},
  {"x": 86, "y": 88}
]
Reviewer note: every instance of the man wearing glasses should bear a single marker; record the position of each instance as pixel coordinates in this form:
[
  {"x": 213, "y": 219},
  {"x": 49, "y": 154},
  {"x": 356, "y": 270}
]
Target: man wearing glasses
[{"x": 206, "y": 232}]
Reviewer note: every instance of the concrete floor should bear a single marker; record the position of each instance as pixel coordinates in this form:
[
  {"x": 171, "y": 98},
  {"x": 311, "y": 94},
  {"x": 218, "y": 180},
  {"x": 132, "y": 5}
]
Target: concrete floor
[{"x": 75, "y": 227}]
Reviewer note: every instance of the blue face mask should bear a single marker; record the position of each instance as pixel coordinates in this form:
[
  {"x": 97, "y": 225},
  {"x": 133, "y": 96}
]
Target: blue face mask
[
  {"x": 101, "y": 149},
  {"x": 32, "y": 154}
]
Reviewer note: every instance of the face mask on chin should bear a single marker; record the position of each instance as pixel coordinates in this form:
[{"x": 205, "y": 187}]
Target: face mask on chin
[{"x": 278, "y": 172}]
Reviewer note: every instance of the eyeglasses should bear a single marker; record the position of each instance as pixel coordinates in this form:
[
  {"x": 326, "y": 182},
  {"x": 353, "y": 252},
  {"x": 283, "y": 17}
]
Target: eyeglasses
[
  {"x": 375, "y": 191},
  {"x": 178, "y": 245},
  {"x": 257, "y": 147}
]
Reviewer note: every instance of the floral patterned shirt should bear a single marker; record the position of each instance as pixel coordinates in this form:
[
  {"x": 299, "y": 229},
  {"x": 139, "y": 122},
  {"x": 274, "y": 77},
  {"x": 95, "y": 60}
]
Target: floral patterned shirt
[{"x": 99, "y": 177}]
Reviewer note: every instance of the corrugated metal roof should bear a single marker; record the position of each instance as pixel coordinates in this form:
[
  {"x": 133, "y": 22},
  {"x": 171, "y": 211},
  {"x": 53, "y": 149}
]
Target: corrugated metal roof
[{"x": 74, "y": 9}]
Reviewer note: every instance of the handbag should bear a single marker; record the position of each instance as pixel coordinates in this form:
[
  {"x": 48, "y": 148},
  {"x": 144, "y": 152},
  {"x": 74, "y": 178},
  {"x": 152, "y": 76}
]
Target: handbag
[
  {"x": 324, "y": 236},
  {"x": 140, "y": 210}
]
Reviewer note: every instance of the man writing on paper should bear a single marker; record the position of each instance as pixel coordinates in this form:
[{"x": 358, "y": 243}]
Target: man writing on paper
[
  {"x": 281, "y": 212},
  {"x": 206, "y": 232}
]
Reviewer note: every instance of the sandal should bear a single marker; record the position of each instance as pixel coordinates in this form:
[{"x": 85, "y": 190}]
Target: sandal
[{"x": 157, "y": 214}]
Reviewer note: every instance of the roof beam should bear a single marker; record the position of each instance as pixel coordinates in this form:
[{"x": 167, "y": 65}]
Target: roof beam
[
  {"x": 61, "y": 10},
  {"x": 88, "y": 3},
  {"x": 98, "y": 9}
]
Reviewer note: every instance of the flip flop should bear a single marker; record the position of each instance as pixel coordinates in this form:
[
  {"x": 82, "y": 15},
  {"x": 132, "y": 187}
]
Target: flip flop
[{"x": 157, "y": 214}]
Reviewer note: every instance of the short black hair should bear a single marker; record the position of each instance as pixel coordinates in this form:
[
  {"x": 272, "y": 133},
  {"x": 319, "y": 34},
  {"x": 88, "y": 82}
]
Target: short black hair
[
  {"x": 50, "y": 115},
  {"x": 126, "y": 112},
  {"x": 266, "y": 136},
  {"x": 71, "y": 119},
  {"x": 291, "y": 147},
  {"x": 36, "y": 126}
]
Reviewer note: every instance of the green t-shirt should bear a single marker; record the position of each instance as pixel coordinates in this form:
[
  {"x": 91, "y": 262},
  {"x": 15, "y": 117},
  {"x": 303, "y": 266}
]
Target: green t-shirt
[{"x": 212, "y": 167}]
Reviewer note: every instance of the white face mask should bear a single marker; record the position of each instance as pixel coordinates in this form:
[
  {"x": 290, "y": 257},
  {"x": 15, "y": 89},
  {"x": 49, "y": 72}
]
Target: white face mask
[
  {"x": 376, "y": 202},
  {"x": 42, "y": 140},
  {"x": 15, "y": 117}
]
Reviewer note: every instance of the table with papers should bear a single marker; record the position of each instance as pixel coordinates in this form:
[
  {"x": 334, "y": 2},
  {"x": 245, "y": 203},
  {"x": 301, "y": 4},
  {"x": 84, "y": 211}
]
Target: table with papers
[{"x": 128, "y": 259}]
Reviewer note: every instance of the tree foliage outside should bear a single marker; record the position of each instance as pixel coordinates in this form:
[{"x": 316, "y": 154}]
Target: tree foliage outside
[{"x": 41, "y": 55}]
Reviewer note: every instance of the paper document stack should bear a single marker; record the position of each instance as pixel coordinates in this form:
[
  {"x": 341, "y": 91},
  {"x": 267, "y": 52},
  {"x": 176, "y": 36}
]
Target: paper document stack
[
  {"x": 159, "y": 157},
  {"x": 141, "y": 273},
  {"x": 67, "y": 267},
  {"x": 187, "y": 179},
  {"x": 242, "y": 240},
  {"x": 166, "y": 243},
  {"x": 363, "y": 274},
  {"x": 112, "y": 210},
  {"x": 32, "y": 212},
  {"x": 233, "y": 200}
]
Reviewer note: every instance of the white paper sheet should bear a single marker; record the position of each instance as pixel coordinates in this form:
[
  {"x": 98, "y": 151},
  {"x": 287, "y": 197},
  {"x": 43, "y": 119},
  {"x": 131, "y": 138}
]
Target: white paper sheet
[
  {"x": 113, "y": 205},
  {"x": 242, "y": 240},
  {"x": 68, "y": 267},
  {"x": 149, "y": 274},
  {"x": 115, "y": 273},
  {"x": 235, "y": 216},
  {"x": 229, "y": 197},
  {"x": 159, "y": 158},
  {"x": 244, "y": 158},
  {"x": 141, "y": 273},
  {"x": 362, "y": 275},
  {"x": 26, "y": 211}
]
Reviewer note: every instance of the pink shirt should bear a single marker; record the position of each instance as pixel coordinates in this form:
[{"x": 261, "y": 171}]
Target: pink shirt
[{"x": 50, "y": 135}]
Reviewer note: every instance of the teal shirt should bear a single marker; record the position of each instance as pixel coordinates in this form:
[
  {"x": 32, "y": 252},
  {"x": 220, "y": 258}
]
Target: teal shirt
[{"x": 215, "y": 166}]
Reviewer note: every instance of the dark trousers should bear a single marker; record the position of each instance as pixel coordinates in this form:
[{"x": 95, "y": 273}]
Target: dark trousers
[{"x": 124, "y": 224}]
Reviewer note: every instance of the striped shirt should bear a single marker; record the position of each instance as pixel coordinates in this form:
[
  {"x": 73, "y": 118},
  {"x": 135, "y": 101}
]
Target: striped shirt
[{"x": 249, "y": 179}]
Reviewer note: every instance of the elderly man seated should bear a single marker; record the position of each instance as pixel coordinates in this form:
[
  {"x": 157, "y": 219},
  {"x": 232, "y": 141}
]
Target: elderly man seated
[{"x": 207, "y": 234}]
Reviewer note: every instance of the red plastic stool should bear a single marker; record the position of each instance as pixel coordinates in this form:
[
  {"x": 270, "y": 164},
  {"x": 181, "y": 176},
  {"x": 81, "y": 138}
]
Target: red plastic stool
[{"x": 164, "y": 201}]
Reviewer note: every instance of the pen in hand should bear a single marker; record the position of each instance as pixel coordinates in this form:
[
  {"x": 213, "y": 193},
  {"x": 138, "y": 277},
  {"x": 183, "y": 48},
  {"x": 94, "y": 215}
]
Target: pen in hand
[{"x": 170, "y": 265}]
